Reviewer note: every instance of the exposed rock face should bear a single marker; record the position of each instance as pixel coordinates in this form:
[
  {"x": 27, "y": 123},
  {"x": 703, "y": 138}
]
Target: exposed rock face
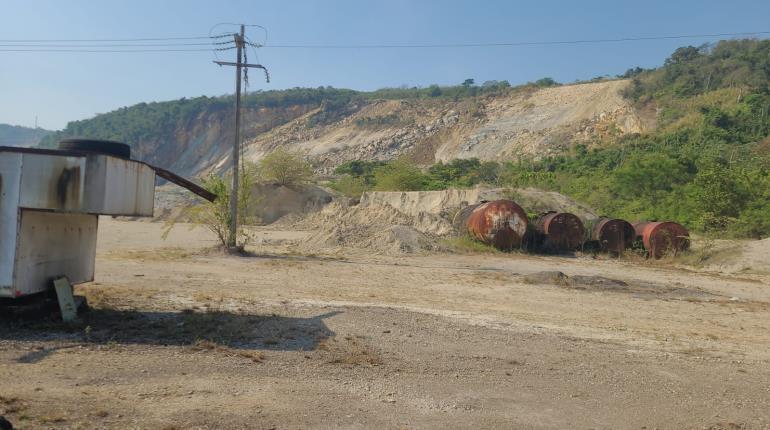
[
  {"x": 528, "y": 123},
  {"x": 193, "y": 147}
]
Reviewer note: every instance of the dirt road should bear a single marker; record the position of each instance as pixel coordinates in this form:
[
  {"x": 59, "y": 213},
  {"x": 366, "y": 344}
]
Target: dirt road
[{"x": 183, "y": 338}]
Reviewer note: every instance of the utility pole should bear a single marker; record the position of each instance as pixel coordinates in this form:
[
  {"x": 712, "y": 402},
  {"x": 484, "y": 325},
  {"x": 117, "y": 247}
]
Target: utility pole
[
  {"x": 231, "y": 238},
  {"x": 240, "y": 44}
]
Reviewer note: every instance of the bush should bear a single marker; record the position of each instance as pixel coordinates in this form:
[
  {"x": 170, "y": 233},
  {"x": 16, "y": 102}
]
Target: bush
[
  {"x": 285, "y": 168},
  {"x": 350, "y": 186},
  {"x": 398, "y": 175},
  {"x": 546, "y": 82},
  {"x": 216, "y": 215}
]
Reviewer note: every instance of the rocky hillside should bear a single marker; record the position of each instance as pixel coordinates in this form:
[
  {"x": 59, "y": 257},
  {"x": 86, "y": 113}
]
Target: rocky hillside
[
  {"x": 15, "y": 135},
  {"x": 527, "y": 122},
  {"x": 330, "y": 126}
]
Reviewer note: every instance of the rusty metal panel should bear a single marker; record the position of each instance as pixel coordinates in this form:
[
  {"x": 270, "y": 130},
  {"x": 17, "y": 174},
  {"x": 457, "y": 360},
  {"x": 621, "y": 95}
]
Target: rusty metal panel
[
  {"x": 663, "y": 238},
  {"x": 10, "y": 179},
  {"x": 115, "y": 186},
  {"x": 560, "y": 231},
  {"x": 500, "y": 223},
  {"x": 52, "y": 245},
  {"x": 52, "y": 182}
]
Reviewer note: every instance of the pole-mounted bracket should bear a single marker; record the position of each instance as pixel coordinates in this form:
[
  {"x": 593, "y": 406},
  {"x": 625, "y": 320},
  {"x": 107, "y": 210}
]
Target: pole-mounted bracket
[{"x": 253, "y": 66}]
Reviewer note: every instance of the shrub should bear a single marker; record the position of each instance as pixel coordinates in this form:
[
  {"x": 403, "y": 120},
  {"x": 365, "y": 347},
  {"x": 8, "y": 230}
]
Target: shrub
[
  {"x": 350, "y": 186},
  {"x": 215, "y": 215},
  {"x": 398, "y": 175},
  {"x": 285, "y": 168}
]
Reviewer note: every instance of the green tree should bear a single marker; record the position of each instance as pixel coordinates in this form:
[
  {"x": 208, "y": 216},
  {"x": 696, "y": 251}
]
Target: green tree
[
  {"x": 683, "y": 55},
  {"x": 546, "y": 82},
  {"x": 285, "y": 168}
]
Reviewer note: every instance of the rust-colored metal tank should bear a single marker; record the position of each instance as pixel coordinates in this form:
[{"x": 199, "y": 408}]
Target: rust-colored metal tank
[
  {"x": 613, "y": 235},
  {"x": 560, "y": 231},
  {"x": 662, "y": 238},
  {"x": 500, "y": 223}
]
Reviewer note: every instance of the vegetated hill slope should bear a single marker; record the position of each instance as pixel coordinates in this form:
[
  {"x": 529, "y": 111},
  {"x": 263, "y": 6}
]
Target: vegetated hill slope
[
  {"x": 184, "y": 135},
  {"x": 525, "y": 122},
  {"x": 330, "y": 126},
  {"x": 15, "y": 135}
]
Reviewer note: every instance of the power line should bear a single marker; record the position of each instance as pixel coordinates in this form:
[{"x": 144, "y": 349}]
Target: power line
[
  {"x": 38, "y": 45},
  {"x": 109, "y": 45},
  {"x": 145, "y": 39},
  {"x": 507, "y": 44},
  {"x": 117, "y": 50}
]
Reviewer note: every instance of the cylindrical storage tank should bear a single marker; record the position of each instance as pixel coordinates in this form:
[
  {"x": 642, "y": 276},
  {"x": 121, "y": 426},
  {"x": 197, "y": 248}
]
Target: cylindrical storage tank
[
  {"x": 560, "y": 231},
  {"x": 662, "y": 238},
  {"x": 500, "y": 223},
  {"x": 613, "y": 235},
  {"x": 460, "y": 220}
]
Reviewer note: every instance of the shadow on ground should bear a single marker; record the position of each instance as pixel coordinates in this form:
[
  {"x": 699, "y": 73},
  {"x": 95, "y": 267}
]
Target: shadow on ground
[{"x": 108, "y": 326}]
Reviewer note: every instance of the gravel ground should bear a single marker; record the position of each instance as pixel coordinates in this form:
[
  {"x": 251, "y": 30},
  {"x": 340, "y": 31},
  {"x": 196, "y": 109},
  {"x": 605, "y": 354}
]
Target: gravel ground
[{"x": 181, "y": 338}]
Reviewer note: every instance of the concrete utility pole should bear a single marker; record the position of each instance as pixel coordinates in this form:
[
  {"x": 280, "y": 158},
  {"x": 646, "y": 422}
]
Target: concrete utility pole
[{"x": 240, "y": 44}]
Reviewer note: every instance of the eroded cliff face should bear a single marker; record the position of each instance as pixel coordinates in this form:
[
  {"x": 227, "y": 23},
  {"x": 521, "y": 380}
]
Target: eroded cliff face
[
  {"x": 528, "y": 122},
  {"x": 193, "y": 147}
]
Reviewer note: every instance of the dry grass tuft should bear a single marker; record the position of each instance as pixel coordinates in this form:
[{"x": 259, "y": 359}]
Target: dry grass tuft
[
  {"x": 467, "y": 245},
  {"x": 53, "y": 418},
  {"x": 352, "y": 353},
  {"x": 11, "y": 405},
  {"x": 285, "y": 263},
  {"x": 207, "y": 345},
  {"x": 158, "y": 254}
]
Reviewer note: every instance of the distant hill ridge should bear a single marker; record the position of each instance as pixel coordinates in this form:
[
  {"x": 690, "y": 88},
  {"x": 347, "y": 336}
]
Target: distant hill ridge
[{"x": 16, "y": 135}]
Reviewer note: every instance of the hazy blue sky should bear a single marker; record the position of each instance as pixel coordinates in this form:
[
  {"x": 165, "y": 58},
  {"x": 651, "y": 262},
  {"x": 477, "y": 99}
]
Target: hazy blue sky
[{"x": 60, "y": 87}]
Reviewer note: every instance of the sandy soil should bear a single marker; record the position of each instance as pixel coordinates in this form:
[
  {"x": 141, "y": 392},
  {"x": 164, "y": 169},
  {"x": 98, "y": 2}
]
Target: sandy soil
[{"x": 180, "y": 338}]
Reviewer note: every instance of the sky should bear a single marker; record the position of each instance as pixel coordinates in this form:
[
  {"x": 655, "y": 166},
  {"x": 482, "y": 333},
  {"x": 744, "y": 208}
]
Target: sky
[{"x": 57, "y": 87}]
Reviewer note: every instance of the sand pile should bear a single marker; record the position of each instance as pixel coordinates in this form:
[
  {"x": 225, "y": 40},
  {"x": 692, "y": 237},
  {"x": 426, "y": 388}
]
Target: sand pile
[
  {"x": 408, "y": 222},
  {"x": 748, "y": 256},
  {"x": 379, "y": 229},
  {"x": 446, "y": 201}
]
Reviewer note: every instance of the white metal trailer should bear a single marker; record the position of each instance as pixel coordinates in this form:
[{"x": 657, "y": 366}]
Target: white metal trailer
[{"x": 50, "y": 201}]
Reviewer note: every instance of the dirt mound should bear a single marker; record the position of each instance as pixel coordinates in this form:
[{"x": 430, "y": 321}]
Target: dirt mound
[
  {"x": 379, "y": 229},
  {"x": 750, "y": 257},
  {"x": 270, "y": 201},
  {"x": 595, "y": 283},
  {"x": 273, "y": 201},
  {"x": 406, "y": 222},
  {"x": 446, "y": 201}
]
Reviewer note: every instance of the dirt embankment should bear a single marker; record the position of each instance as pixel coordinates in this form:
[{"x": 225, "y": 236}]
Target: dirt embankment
[
  {"x": 380, "y": 229},
  {"x": 386, "y": 222},
  {"x": 439, "y": 202},
  {"x": 746, "y": 257}
]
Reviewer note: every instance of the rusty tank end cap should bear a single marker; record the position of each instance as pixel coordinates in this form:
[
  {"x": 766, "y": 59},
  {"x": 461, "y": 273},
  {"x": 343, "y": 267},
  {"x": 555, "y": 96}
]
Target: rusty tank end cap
[{"x": 97, "y": 146}]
